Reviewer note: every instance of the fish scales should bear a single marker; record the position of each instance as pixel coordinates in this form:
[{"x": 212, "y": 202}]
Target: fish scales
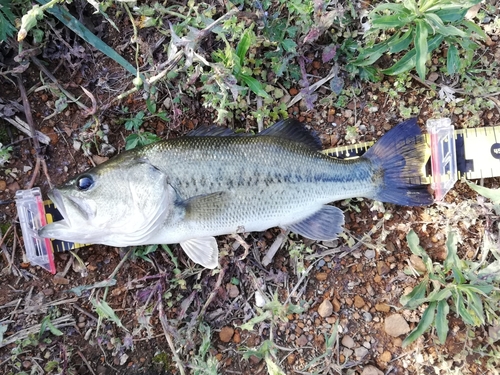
[{"x": 268, "y": 179}]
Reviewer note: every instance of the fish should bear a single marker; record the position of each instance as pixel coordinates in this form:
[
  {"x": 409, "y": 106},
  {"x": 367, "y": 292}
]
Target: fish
[{"x": 213, "y": 182}]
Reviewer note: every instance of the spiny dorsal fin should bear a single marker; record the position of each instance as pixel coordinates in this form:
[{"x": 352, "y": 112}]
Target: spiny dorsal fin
[
  {"x": 295, "y": 131},
  {"x": 211, "y": 131}
]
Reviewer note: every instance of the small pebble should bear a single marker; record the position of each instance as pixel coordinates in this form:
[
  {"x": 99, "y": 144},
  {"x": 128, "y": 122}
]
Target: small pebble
[
  {"x": 302, "y": 341},
  {"x": 226, "y": 334},
  {"x": 395, "y": 325},
  {"x": 383, "y": 307},
  {"x": 370, "y": 254},
  {"x": 371, "y": 370},
  {"x": 360, "y": 352},
  {"x": 325, "y": 309},
  {"x": 359, "y": 302},
  {"x": 385, "y": 356},
  {"x": 367, "y": 316},
  {"x": 348, "y": 342}
]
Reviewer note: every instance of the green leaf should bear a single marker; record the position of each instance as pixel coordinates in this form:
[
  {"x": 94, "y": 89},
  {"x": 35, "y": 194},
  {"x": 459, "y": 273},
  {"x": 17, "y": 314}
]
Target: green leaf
[
  {"x": 452, "y": 60},
  {"x": 393, "y": 7},
  {"x": 453, "y": 14},
  {"x": 407, "y": 62},
  {"x": 414, "y": 244},
  {"x": 447, "y": 30},
  {"x": 423, "y": 325},
  {"x": 476, "y": 307},
  {"x": 151, "y": 105},
  {"x": 474, "y": 28},
  {"x": 441, "y": 322},
  {"x": 244, "y": 45},
  {"x": 370, "y": 55},
  {"x": 254, "y": 85},
  {"x": 421, "y": 47},
  {"x": 439, "y": 295},
  {"x": 402, "y": 43},
  {"x": 417, "y": 294},
  {"x": 396, "y": 21},
  {"x": 411, "y": 5},
  {"x": 289, "y": 45},
  {"x": 106, "y": 312},
  {"x": 492, "y": 194},
  {"x": 7, "y": 20},
  {"x": 462, "y": 310},
  {"x": 256, "y": 319},
  {"x": 46, "y": 323}
]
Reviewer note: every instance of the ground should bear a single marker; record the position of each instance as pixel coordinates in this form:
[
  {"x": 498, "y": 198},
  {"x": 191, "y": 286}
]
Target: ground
[{"x": 326, "y": 307}]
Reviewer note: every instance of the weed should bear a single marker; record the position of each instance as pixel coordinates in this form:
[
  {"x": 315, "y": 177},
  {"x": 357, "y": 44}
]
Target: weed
[
  {"x": 4, "y": 154},
  {"x": 421, "y": 28},
  {"x": 471, "y": 287},
  {"x": 7, "y": 19},
  {"x": 142, "y": 138}
]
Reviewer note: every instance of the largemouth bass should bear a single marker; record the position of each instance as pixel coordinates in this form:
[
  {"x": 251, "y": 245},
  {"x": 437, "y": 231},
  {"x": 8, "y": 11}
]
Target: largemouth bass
[{"x": 213, "y": 182}]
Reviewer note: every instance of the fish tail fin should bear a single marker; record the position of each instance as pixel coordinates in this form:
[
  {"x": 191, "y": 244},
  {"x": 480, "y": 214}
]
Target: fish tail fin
[{"x": 399, "y": 156}]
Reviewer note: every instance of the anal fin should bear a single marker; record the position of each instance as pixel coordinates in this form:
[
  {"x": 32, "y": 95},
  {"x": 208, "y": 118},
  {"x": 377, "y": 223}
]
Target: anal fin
[
  {"x": 323, "y": 225},
  {"x": 202, "y": 251}
]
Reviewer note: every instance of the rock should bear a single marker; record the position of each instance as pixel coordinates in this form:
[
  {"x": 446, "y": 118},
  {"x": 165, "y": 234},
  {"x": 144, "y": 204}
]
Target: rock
[
  {"x": 383, "y": 307},
  {"x": 321, "y": 276},
  {"x": 99, "y": 159},
  {"x": 433, "y": 76},
  {"x": 385, "y": 356},
  {"x": 51, "y": 133},
  {"x": 371, "y": 370},
  {"x": 325, "y": 309},
  {"x": 3, "y": 185},
  {"x": 367, "y": 316},
  {"x": 48, "y": 291},
  {"x": 347, "y": 352},
  {"x": 336, "y": 305},
  {"x": 302, "y": 341},
  {"x": 417, "y": 263},
  {"x": 348, "y": 342},
  {"x": 260, "y": 300},
  {"x": 494, "y": 332},
  {"x": 359, "y": 302},
  {"x": 13, "y": 187},
  {"x": 232, "y": 290},
  {"x": 382, "y": 268},
  {"x": 59, "y": 280},
  {"x": 237, "y": 337},
  {"x": 360, "y": 352},
  {"x": 395, "y": 325},
  {"x": 226, "y": 334}
]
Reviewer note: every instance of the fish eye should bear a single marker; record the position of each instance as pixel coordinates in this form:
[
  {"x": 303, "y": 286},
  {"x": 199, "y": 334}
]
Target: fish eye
[{"x": 84, "y": 182}]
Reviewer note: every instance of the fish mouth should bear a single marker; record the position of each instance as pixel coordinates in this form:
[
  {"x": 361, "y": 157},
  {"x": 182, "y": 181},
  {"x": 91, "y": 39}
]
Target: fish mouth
[
  {"x": 62, "y": 229},
  {"x": 56, "y": 197}
]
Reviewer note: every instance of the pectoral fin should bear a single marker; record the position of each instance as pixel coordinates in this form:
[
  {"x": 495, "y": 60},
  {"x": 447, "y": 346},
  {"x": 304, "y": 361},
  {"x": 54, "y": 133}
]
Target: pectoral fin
[
  {"x": 203, "y": 251},
  {"x": 206, "y": 206},
  {"x": 323, "y": 225}
]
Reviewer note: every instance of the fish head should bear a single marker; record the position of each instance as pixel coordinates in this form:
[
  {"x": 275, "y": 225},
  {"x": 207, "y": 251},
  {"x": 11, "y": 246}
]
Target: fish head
[{"x": 119, "y": 203}]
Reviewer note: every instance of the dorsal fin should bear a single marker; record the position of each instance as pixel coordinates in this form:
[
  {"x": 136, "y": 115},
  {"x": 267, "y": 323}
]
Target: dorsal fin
[
  {"x": 211, "y": 131},
  {"x": 293, "y": 130}
]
